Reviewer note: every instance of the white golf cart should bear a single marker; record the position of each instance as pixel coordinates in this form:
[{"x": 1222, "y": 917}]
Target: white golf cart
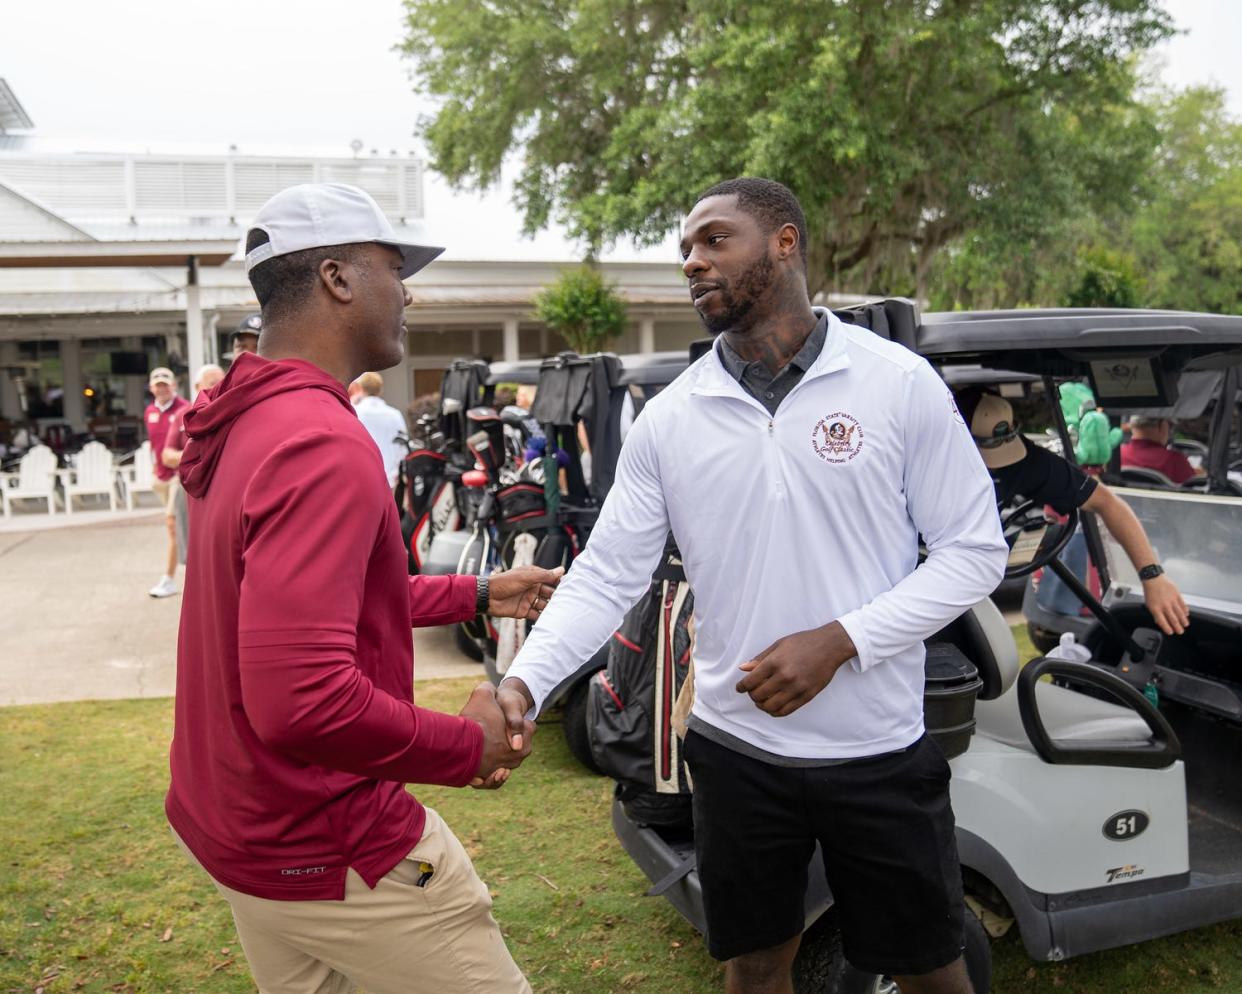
[{"x": 1090, "y": 814}]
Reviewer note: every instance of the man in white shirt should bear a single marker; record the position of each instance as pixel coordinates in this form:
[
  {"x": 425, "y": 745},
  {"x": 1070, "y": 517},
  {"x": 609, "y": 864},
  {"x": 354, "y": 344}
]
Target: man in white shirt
[
  {"x": 383, "y": 421},
  {"x": 797, "y": 464}
]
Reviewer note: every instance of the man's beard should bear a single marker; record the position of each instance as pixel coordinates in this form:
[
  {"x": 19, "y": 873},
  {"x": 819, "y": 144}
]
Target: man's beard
[{"x": 739, "y": 299}]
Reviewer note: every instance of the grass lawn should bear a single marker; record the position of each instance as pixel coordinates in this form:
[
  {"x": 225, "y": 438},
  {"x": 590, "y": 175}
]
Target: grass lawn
[{"x": 94, "y": 896}]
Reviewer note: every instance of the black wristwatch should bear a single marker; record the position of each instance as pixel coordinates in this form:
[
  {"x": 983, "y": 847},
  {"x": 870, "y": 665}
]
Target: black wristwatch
[
  {"x": 1151, "y": 572},
  {"x": 482, "y": 596}
]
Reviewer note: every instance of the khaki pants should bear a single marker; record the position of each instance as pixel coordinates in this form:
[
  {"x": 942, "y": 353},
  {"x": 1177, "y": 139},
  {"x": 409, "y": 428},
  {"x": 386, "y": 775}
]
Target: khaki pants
[
  {"x": 163, "y": 490},
  {"x": 396, "y": 939}
]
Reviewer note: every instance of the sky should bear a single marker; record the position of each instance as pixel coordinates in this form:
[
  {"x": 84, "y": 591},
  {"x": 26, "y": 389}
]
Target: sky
[{"x": 314, "y": 75}]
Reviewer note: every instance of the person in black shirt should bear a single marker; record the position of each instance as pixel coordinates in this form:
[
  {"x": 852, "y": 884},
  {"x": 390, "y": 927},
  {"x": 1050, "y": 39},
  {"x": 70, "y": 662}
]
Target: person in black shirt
[{"x": 1020, "y": 468}]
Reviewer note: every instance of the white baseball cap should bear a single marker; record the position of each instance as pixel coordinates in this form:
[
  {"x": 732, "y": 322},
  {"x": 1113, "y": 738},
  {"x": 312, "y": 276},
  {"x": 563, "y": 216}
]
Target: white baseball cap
[{"x": 316, "y": 215}]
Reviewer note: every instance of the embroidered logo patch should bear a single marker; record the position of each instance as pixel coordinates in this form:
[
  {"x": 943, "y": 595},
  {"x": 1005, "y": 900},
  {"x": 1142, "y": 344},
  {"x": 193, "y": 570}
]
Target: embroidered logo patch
[
  {"x": 953, "y": 408},
  {"x": 837, "y": 438}
]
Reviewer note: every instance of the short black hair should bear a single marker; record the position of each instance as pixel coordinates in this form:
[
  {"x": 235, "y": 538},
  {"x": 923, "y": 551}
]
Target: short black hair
[
  {"x": 284, "y": 282},
  {"x": 770, "y": 203}
]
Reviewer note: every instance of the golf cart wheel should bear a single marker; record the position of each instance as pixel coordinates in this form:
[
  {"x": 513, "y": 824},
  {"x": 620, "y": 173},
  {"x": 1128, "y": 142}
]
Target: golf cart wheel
[
  {"x": 574, "y": 723},
  {"x": 468, "y": 646},
  {"x": 821, "y": 967},
  {"x": 1044, "y": 639}
]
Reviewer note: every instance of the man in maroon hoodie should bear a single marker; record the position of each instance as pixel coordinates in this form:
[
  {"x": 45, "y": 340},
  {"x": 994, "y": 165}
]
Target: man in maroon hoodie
[{"x": 296, "y": 729}]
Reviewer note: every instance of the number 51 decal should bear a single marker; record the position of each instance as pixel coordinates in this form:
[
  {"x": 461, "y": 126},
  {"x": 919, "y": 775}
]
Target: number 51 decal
[{"x": 1126, "y": 825}]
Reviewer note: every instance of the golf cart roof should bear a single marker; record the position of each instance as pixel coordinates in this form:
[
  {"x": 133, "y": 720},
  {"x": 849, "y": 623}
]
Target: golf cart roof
[
  {"x": 974, "y": 375},
  {"x": 523, "y": 371},
  {"x": 1050, "y": 340},
  {"x": 652, "y": 368}
]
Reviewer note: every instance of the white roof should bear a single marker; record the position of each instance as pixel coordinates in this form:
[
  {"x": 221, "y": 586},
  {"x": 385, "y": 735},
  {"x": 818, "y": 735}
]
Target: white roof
[
  {"x": 146, "y": 196},
  {"x": 12, "y": 114}
]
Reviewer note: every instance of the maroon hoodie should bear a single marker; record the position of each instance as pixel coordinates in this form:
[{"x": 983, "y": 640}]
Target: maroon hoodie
[{"x": 295, "y": 723}]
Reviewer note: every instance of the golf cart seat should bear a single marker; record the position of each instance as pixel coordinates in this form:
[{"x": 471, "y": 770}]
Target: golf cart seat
[
  {"x": 983, "y": 635},
  {"x": 1141, "y": 476},
  {"x": 1066, "y": 713}
]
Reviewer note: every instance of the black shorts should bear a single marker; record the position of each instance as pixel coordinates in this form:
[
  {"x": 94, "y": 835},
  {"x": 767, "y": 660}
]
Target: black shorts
[{"x": 886, "y": 829}]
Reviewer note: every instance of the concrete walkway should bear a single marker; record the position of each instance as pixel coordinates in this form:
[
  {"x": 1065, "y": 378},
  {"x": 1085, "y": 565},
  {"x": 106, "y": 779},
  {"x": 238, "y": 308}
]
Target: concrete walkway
[
  {"x": 76, "y": 622},
  {"x": 29, "y": 521}
]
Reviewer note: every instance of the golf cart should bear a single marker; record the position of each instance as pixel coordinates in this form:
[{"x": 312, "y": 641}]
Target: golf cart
[
  {"x": 1091, "y": 812},
  {"x": 1205, "y": 397}
]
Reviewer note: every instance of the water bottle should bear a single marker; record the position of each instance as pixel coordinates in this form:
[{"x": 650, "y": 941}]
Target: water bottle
[{"x": 1070, "y": 650}]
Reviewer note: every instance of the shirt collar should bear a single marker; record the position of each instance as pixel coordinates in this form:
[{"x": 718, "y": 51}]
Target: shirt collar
[
  {"x": 714, "y": 380},
  {"x": 164, "y": 407},
  {"x": 803, "y": 360}
]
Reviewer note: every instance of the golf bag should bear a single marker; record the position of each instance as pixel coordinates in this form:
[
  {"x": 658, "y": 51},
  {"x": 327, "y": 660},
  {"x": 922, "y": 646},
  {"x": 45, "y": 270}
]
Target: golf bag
[
  {"x": 630, "y": 718},
  {"x": 430, "y": 504}
]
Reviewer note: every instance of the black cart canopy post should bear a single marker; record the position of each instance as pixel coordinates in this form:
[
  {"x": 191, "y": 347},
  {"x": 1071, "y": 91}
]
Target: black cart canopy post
[
  {"x": 587, "y": 389},
  {"x": 465, "y": 385}
]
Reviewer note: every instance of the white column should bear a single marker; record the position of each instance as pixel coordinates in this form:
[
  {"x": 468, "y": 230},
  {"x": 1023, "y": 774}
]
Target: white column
[
  {"x": 193, "y": 324},
  {"x": 646, "y": 335},
  {"x": 512, "y": 349},
  {"x": 71, "y": 373},
  {"x": 10, "y": 403},
  {"x": 211, "y": 350},
  {"x": 133, "y": 384}
]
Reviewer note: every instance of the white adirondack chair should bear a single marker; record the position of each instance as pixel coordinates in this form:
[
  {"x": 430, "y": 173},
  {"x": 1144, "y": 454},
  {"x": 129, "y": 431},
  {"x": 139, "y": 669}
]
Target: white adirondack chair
[
  {"x": 137, "y": 478},
  {"x": 35, "y": 479},
  {"x": 93, "y": 473}
]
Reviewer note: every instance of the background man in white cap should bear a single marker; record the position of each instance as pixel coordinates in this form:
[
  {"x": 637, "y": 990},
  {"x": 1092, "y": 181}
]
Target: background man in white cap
[
  {"x": 296, "y": 730},
  {"x": 158, "y": 417},
  {"x": 1020, "y": 467}
]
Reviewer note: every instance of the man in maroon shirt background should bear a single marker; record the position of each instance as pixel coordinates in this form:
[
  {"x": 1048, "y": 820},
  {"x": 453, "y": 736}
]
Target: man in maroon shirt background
[
  {"x": 160, "y": 413},
  {"x": 1148, "y": 448},
  {"x": 295, "y": 727}
]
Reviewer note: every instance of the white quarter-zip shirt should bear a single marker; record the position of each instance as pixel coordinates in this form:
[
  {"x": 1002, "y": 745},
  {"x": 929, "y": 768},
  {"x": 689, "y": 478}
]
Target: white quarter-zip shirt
[{"x": 786, "y": 522}]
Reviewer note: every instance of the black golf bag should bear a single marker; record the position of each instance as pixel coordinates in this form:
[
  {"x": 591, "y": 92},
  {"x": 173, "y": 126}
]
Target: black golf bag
[
  {"x": 630, "y": 718},
  {"x": 430, "y": 506}
]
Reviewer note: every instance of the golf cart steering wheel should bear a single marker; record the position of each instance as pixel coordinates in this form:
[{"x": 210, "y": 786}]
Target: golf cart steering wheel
[{"x": 1029, "y": 516}]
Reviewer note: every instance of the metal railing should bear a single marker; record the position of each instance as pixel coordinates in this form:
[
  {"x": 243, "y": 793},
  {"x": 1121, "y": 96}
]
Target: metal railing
[{"x": 100, "y": 187}]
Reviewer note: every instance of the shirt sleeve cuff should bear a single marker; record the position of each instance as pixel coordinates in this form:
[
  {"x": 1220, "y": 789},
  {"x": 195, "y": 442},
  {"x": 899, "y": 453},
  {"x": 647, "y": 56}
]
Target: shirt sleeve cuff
[
  {"x": 854, "y": 627},
  {"x": 538, "y": 693},
  {"x": 475, "y": 756}
]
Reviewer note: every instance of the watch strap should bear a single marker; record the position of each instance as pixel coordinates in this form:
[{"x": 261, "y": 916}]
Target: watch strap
[
  {"x": 1151, "y": 571},
  {"x": 482, "y": 595}
]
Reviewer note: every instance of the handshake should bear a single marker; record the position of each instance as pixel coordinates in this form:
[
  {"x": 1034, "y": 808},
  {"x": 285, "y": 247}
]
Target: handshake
[
  {"x": 522, "y": 592},
  {"x": 507, "y": 732}
]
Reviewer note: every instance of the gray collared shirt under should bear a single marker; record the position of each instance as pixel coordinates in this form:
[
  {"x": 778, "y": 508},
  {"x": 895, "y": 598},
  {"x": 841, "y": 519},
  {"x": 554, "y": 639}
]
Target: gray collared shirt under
[{"x": 755, "y": 379}]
